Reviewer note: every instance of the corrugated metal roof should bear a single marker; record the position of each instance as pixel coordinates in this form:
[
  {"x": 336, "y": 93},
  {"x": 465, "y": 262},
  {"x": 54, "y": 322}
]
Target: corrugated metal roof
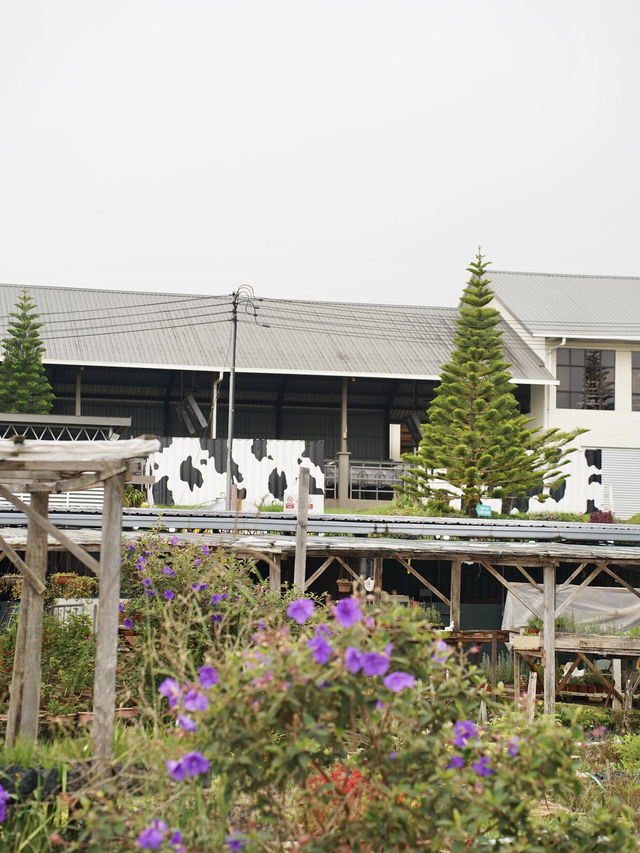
[
  {"x": 117, "y": 328},
  {"x": 572, "y": 306}
]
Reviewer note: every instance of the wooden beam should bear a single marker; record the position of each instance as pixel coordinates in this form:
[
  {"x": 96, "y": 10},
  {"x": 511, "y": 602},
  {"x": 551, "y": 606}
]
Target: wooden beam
[
  {"x": 574, "y": 574},
  {"x": 52, "y": 530},
  {"x": 24, "y": 703},
  {"x": 422, "y": 580},
  {"x": 530, "y": 607},
  {"x": 275, "y": 574},
  {"x": 314, "y": 577},
  {"x": 610, "y": 688},
  {"x": 104, "y": 688},
  {"x": 17, "y": 561},
  {"x": 616, "y": 577},
  {"x": 562, "y": 607},
  {"x": 300, "y": 566},
  {"x": 456, "y": 578},
  {"x": 549, "y": 630},
  {"x": 346, "y": 565},
  {"x": 524, "y": 572}
]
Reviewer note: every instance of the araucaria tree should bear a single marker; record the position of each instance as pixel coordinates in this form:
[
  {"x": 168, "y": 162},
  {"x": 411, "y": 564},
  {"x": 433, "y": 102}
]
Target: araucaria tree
[
  {"x": 476, "y": 442},
  {"x": 24, "y": 387}
]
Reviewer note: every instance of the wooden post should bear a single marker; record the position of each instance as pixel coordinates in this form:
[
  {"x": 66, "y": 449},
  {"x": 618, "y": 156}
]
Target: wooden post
[
  {"x": 104, "y": 690},
  {"x": 300, "y": 566},
  {"x": 275, "y": 573},
  {"x": 531, "y": 696},
  {"x": 377, "y": 573},
  {"x": 494, "y": 658},
  {"x": 516, "y": 678},
  {"x": 25, "y": 691},
  {"x": 454, "y": 595},
  {"x": 549, "y": 629},
  {"x": 616, "y": 667}
]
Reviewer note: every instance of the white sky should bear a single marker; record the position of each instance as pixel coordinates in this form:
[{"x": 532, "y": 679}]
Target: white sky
[{"x": 352, "y": 150}]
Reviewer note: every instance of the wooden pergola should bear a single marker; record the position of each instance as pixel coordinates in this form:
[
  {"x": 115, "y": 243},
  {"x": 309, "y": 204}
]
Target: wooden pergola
[{"x": 42, "y": 468}]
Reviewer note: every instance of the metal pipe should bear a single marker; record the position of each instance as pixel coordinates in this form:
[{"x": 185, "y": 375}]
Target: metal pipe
[{"x": 232, "y": 400}]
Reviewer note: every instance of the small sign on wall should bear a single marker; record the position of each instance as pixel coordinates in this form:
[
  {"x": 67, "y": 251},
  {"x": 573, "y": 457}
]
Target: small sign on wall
[
  {"x": 483, "y": 511},
  {"x": 316, "y": 503}
]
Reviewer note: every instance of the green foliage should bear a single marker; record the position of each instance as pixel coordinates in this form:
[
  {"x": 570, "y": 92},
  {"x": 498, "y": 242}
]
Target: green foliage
[
  {"x": 133, "y": 497},
  {"x": 24, "y": 388},
  {"x": 475, "y": 439},
  {"x": 629, "y": 751}
]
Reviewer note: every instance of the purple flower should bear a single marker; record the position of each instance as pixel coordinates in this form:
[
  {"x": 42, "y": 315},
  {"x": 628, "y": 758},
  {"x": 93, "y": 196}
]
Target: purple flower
[
  {"x": 216, "y": 599},
  {"x": 152, "y": 837},
  {"x": 174, "y": 540},
  {"x": 235, "y": 841},
  {"x": 175, "y": 769},
  {"x": 197, "y": 562},
  {"x": 441, "y": 652},
  {"x": 320, "y": 648},
  {"x": 347, "y": 612},
  {"x": 172, "y": 690},
  {"x": 216, "y": 617},
  {"x": 398, "y": 680},
  {"x": 374, "y": 664},
  {"x": 513, "y": 746},
  {"x": 393, "y": 755},
  {"x": 187, "y": 723},
  {"x": 481, "y": 767},
  {"x": 353, "y": 659},
  {"x": 206, "y": 550},
  {"x": 169, "y": 594},
  {"x": 150, "y": 592},
  {"x": 127, "y": 623},
  {"x": 208, "y": 676},
  {"x": 194, "y": 700},
  {"x": 176, "y": 842},
  {"x": 167, "y": 570},
  {"x": 4, "y": 799},
  {"x": 463, "y": 732},
  {"x": 224, "y": 596},
  {"x": 456, "y": 762},
  {"x": 146, "y": 582},
  {"x": 195, "y": 763},
  {"x": 300, "y": 610},
  {"x": 197, "y": 587},
  {"x": 120, "y": 606},
  {"x": 324, "y": 629}
]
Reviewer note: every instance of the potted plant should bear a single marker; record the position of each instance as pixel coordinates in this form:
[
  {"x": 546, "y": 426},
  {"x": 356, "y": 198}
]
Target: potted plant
[{"x": 75, "y": 586}]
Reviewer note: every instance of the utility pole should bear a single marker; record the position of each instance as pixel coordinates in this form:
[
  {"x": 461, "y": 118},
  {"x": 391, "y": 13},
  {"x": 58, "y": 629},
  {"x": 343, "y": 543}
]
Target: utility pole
[
  {"x": 246, "y": 294},
  {"x": 232, "y": 397}
]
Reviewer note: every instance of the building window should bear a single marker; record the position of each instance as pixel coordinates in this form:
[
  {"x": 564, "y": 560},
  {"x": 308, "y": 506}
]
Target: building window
[
  {"x": 586, "y": 378},
  {"x": 635, "y": 381}
]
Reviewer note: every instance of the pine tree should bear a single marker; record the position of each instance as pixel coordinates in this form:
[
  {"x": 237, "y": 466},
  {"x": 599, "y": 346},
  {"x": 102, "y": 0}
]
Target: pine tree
[
  {"x": 24, "y": 387},
  {"x": 476, "y": 440}
]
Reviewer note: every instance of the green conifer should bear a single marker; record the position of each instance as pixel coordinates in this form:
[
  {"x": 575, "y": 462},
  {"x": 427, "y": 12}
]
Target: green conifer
[
  {"x": 476, "y": 440},
  {"x": 24, "y": 387}
]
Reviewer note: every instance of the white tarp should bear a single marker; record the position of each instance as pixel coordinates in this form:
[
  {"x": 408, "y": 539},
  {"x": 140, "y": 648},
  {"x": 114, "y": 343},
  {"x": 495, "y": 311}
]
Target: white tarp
[{"x": 613, "y": 607}]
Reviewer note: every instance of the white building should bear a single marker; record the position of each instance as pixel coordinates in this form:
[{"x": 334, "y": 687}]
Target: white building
[{"x": 587, "y": 331}]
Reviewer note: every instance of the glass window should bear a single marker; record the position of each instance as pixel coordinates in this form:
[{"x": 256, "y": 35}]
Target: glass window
[
  {"x": 635, "y": 381},
  {"x": 587, "y": 377}
]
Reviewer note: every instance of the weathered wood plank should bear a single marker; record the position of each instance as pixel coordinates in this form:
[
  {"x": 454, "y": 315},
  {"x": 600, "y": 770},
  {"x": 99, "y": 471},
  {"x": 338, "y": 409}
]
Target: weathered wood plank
[
  {"x": 24, "y": 703},
  {"x": 456, "y": 577},
  {"x": 104, "y": 691},
  {"x": 512, "y": 589},
  {"x": 424, "y": 581},
  {"x": 17, "y": 561},
  {"x": 300, "y": 566},
  {"x": 319, "y": 571},
  {"x": 565, "y": 604},
  {"x": 548, "y": 625}
]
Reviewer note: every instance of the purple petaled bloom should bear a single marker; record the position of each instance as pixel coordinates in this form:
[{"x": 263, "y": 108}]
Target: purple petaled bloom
[
  {"x": 187, "y": 723},
  {"x": 150, "y": 592},
  {"x": 176, "y": 842},
  {"x": 393, "y": 755},
  {"x": 320, "y": 648},
  {"x": 141, "y": 561},
  {"x": 324, "y": 629},
  {"x": 353, "y": 659},
  {"x": 208, "y": 676},
  {"x": 463, "y": 732},
  {"x": 169, "y": 594},
  {"x": 174, "y": 540},
  {"x": 300, "y": 610},
  {"x": 175, "y": 769},
  {"x": 261, "y": 626},
  {"x": 347, "y": 612},
  {"x": 195, "y": 763},
  {"x": 224, "y": 596},
  {"x": 398, "y": 680},
  {"x": 194, "y": 700},
  {"x": 4, "y": 799},
  {"x": 146, "y": 582},
  {"x": 380, "y": 705},
  {"x": 513, "y": 746},
  {"x": 172, "y": 690},
  {"x": 206, "y": 550},
  {"x": 374, "y": 664},
  {"x": 481, "y": 767},
  {"x": 166, "y": 570},
  {"x": 456, "y": 762},
  {"x": 216, "y": 598},
  {"x": 441, "y": 652},
  {"x": 197, "y": 562},
  {"x": 120, "y": 606},
  {"x": 127, "y": 623},
  {"x": 235, "y": 841},
  {"x": 216, "y": 617},
  {"x": 152, "y": 837}
]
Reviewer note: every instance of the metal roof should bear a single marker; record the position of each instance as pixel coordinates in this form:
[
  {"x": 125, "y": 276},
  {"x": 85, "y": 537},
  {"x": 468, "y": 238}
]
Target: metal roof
[
  {"x": 572, "y": 306},
  {"x": 169, "y": 330}
]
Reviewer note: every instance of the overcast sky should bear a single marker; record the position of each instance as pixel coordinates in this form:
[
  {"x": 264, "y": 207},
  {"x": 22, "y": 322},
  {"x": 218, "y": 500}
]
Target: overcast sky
[{"x": 353, "y": 150}]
